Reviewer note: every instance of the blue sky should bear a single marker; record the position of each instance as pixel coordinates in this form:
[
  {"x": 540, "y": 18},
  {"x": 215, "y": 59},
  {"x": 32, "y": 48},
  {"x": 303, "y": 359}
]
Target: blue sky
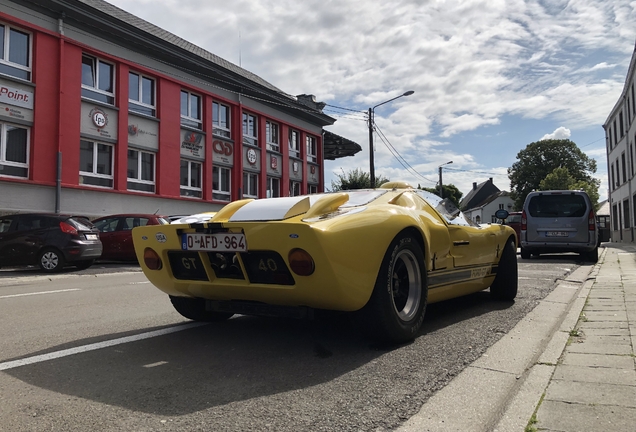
[{"x": 490, "y": 76}]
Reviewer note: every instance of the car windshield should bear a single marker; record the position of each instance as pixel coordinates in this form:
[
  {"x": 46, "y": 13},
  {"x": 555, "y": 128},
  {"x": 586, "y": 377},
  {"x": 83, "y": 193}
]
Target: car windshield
[
  {"x": 513, "y": 219},
  {"x": 557, "y": 205},
  {"x": 446, "y": 208}
]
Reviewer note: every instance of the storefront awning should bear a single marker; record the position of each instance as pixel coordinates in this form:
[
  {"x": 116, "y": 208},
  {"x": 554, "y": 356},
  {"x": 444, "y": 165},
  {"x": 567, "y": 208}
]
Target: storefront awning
[{"x": 336, "y": 147}]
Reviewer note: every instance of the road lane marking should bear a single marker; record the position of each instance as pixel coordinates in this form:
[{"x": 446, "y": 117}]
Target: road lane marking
[
  {"x": 41, "y": 292},
  {"x": 151, "y": 365},
  {"x": 95, "y": 346}
]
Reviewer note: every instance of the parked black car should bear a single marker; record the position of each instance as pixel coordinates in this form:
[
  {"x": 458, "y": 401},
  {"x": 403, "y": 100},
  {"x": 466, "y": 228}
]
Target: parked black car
[{"x": 51, "y": 241}]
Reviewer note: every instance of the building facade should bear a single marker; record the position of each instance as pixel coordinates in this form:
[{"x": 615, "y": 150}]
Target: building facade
[
  {"x": 102, "y": 112},
  {"x": 620, "y": 138}
]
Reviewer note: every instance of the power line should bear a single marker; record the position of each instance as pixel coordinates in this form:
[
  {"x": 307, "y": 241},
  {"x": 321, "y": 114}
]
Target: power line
[{"x": 346, "y": 109}]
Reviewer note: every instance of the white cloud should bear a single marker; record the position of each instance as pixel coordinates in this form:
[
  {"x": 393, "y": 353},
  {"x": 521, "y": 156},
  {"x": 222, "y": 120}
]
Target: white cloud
[{"x": 559, "y": 133}]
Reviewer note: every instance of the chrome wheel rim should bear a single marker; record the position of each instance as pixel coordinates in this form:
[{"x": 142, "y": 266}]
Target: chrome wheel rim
[
  {"x": 50, "y": 260},
  {"x": 406, "y": 285}
]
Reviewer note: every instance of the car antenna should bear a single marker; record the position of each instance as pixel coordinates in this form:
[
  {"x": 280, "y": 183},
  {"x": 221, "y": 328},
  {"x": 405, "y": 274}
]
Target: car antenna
[{"x": 156, "y": 211}]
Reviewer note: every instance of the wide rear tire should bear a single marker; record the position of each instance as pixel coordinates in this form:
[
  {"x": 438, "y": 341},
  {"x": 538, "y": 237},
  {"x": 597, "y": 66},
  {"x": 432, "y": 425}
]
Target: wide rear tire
[
  {"x": 506, "y": 283},
  {"x": 396, "y": 309},
  {"x": 591, "y": 256},
  {"x": 194, "y": 309},
  {"x": 525, "y": 254}
]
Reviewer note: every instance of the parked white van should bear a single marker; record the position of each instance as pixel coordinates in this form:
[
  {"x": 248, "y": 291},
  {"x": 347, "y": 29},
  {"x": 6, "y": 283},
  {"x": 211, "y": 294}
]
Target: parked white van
[{"x": 559, "y": 221}]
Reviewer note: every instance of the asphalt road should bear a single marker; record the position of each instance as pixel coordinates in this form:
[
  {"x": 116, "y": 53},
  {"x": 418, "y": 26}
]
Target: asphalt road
[{"x": 103, "y": 350}]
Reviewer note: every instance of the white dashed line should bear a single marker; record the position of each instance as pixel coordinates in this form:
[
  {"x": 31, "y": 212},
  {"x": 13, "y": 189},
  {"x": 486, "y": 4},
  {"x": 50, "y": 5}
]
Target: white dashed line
[
  {"x": 41, "y": 292},
  {"x": 92, "y": 347}
]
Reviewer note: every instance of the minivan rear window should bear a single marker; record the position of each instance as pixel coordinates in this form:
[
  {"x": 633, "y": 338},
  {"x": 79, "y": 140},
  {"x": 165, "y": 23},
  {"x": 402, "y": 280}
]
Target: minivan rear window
[{"x": 564, "y": 205}]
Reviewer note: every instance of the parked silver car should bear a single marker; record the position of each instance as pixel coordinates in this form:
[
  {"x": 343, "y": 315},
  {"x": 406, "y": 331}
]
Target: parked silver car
[{"x": 559, "y": 221}]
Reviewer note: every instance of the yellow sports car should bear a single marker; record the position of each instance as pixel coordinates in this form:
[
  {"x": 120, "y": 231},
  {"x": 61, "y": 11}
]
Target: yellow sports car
[{"x": 383, "y": 253}]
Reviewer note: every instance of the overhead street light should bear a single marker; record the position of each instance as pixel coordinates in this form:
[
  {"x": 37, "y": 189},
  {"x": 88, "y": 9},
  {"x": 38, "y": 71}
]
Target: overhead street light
[
  {"x": 441, "y": 194},
  {"x": 371, "y": 122}
]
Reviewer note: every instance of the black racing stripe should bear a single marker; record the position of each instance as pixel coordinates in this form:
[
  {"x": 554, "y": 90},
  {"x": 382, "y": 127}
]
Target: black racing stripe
[{"x": 438, "y": 279}]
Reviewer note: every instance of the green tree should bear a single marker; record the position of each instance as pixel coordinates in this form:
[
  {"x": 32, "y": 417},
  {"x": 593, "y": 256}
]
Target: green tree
[
  {"x": 355, "y": 179},
  {"x": 449, "y": 191},
  {"x": 541, "y": 158}
]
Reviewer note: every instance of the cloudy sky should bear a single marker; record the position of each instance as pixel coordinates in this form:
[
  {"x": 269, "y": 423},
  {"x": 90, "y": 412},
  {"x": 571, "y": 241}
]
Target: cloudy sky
[{"x": 489, "y": 76}]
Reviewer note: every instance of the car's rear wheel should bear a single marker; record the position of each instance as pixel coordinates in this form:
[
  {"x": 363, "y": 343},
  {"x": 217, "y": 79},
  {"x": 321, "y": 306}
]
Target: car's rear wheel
[
  {"x": 524, "y": 253},
  {"x": 51, "y": 260},
  {"x": 591, "y": 256},
  {"x": 194, "y": 309},
  {"x": 83, "y": 265},
  {"x": 506, "y": 283},
  {"x": 396, "y": 309}
]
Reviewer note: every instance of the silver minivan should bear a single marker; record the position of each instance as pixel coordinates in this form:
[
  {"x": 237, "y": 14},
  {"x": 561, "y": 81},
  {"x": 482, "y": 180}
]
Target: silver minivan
[{"x": 559, "y": 221}]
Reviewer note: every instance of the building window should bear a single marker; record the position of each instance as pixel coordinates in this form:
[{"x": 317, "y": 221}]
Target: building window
[
  {"x": 250, "y": 130},
  {"x": 624, "y": 167},
  {"x": 190, "y": 109},
  {"x": 294, "y": 143},
  {"x": 250, "y": 185},
  {"x": 271, "y": 135},
  {"x": 273, "y": 187},
  {"x": 312, "y": 189},
  {"x": 141, "y": 171},
  {"x": 615, "y": 217},
  {"x": 16, "y": 53},
  {"x": 615, "y": 135},
  {"x": 631, "y": 158},
  {"x": 618, "y": 174},
  {"x": 96, "y": 164},
  {"x": 190, "y": 175},
  {"x": 221, "y": 183},
  {"x": 141, "y": 94},
  {"x": 220, "y": 120},
  {"x": 97, "y": 80},
  {"x": 501, "y": 207},
  {"x": 613, "y": 178},
  {"x": 620, "y": 119},
  {"x": 294, "y": 188},
  {"x": 312, "y": 150},
  {"x": 14, "y": 151},
  {"x": 626, "y": 217}
]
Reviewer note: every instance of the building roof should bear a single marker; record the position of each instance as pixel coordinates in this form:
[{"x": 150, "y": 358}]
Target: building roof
[
  {"x": 337, "y": 146},
  {"x": 488, "y": 200},
  {"x": 478, "y": 194}
]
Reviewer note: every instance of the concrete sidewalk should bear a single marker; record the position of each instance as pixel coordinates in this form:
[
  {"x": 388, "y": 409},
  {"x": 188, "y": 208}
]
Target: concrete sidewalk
[{"x": 569, "y": 365}]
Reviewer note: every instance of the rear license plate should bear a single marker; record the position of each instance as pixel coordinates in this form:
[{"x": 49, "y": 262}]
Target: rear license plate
[
  {"x": 219, "y": 242},
  {"x": 556, "y": 234},
  {"x": 91, "y": 236}
]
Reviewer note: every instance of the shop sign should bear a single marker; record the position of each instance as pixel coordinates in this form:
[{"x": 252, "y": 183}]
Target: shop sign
[
  {"x": 143, "y": 132},
  {"x": 192, "y": 145},
  {"x": 251, "y": 156},
  {"x": 222, "y": 151},
  {"x": 13, "y": 112},
  {"x": 16, "y": 97},
  {"x": 99, "y": 122},
  {"x": 274, "y": 162}
]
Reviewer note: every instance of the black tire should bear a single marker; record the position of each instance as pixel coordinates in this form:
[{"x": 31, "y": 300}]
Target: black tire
[
  {"x": 83, "y": 265},
  {"x": 525, "y": 254},
  {"x": 505, "y": 285},
  {"x": 397, "y": 306},
  {"x": 194, "y": 309},
  {"x": 591, "y": 256},
  {"x": 51, "y": 260}
]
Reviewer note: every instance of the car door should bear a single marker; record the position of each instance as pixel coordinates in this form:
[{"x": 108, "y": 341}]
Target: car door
[
  {"x": 127, "y": 248},
  {"x": 472, "y": 245},
  {"x": 24, "y": 240},
  {"x": 7, "y": 258},
  {"x": 108, "y": 230}
]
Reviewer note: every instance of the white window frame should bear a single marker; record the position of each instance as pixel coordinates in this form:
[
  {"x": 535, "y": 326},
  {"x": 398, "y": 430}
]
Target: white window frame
[
  {"x": 272, "y": 136},
  {"x": 294, "y": 145},
  {"x": 4, "y": 59},
  {"x": 110, "y": 96},
  {"x": 188, "y": 190},
  {"x": 312, "y": 189},
  {"x": 312, "y": 149},
  {"x": 187, "y": 119},
  {"x": 148, "y": 107},
  {"x": 218, "y": 193},
  {"x": 217, "y": 128},
  {"x": 247, "y": 138},
  {"x": 138, "y": 179},
  {"x": 273, "y": 187},
  {"x": 3, "y": 150},
  {"x": 94, "y": 173},
  {"x": 247, "y": 190}
]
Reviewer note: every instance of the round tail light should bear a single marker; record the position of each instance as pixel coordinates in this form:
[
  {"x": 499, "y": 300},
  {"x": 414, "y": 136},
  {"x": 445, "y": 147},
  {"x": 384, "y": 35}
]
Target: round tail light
[
  {"x": 301, "y": 262},
  {"x": 152, "y": 259}
]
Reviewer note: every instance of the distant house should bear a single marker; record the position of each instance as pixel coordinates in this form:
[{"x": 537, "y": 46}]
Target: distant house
[{"x": 481, "y": 203}]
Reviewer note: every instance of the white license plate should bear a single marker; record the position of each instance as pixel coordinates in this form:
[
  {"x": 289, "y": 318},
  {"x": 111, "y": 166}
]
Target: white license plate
[
  {"x": 556, "y": 234},
  {"x": 219, "y": 242},
  {"x": 91, "y": 236}
]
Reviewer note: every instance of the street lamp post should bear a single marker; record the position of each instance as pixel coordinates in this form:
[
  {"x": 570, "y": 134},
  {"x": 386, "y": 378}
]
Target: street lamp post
[
  {"x": 441, "y": 194},
  {"x": 371, "y": 122}
]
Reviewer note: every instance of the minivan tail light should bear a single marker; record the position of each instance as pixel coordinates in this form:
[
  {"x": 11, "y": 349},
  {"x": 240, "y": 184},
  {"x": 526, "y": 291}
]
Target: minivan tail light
[
  {"x": 524, "y": 221},
  {"x": 591, "y": 221},
  {"x": 68, "y": 228}
]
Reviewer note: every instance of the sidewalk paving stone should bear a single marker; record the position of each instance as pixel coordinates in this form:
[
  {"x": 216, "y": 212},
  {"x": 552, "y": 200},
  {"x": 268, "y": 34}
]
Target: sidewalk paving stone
[
  {"x": 600, "y": 375},
  {"x": 598, "y": 360},
  {"x": 596, "y": 348},
  {"x": 592, "y": 393},
  {"x": 572, "y": 417}
]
